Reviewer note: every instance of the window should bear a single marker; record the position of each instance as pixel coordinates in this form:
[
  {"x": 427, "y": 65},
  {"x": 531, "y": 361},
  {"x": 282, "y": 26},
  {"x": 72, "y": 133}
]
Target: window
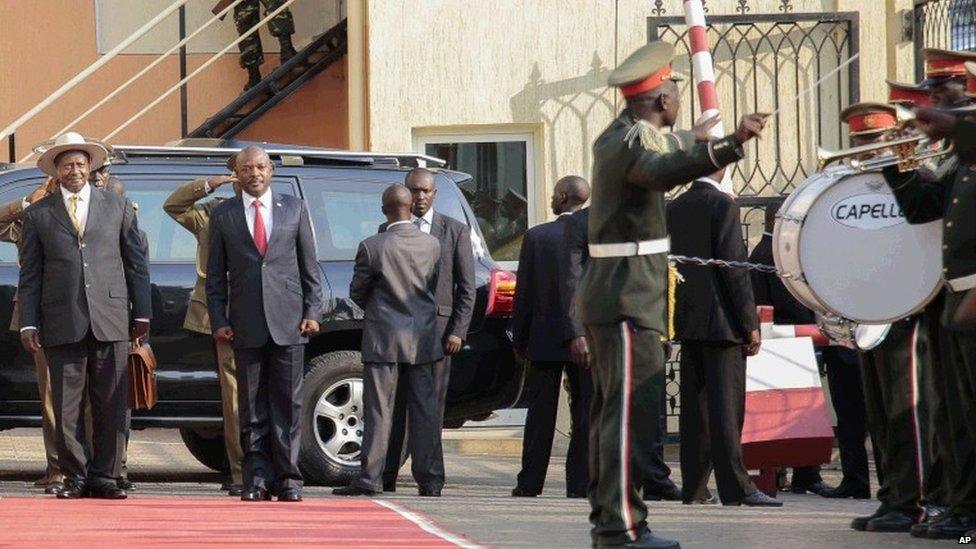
[
  {"x": 502, "y": 187},
  {"x": 962, "y": 17}
]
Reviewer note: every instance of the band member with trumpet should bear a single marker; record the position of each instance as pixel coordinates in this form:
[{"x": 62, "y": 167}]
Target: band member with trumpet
[
  {"x": 951, "y": 198},
  {"x": 622, "y": 297}
]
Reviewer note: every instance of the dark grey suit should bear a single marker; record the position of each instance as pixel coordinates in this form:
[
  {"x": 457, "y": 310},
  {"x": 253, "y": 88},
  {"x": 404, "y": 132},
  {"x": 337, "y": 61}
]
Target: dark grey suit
[
  {"x": 268, "y": 298},
  {"x": 455, "y": 304},
  {"x": 394, "y": 282},
  {"x": 538, "y": 329},
  {"x": 79, "y": 291}
]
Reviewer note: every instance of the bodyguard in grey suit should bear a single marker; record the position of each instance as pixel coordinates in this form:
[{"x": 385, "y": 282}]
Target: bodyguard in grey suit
[
  {"x": 455, "y": 303},
  {"x": 84, "y": 277},
  {"x": 262, "y": 253},
  {"x": 394, "y": 282}
]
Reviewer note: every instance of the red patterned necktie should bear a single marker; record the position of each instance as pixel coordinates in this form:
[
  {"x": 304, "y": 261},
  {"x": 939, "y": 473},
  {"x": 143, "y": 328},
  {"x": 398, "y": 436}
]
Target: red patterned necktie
[{"x": 260, "y": 238}]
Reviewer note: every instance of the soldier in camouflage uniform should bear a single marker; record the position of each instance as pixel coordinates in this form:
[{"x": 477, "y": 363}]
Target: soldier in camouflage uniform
[
  {"x": 622, "y": 297},
  {"x": 282, "y": 26}
]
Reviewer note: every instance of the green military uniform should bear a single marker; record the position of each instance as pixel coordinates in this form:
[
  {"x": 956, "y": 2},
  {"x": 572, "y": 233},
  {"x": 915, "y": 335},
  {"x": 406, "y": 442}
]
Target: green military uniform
[
  {"x": 185, "y": 207},
  {"x": 622, "y": 298},
  {"x": 246, "y": 15},
  {"x": 952, "y": 198}
]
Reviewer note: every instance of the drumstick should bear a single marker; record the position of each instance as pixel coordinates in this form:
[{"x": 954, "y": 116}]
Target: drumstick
[{"x": 817, "y": 84}]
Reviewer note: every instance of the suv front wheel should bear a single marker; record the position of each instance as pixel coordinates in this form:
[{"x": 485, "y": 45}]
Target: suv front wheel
[{"x": 332, "y": 418}]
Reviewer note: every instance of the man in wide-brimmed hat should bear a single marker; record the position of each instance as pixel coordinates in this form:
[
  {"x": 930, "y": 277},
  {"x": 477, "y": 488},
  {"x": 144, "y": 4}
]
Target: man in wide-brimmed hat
[{"x": 82, "y": 308}]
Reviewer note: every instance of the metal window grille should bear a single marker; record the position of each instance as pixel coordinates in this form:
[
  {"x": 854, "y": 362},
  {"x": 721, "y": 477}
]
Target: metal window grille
[{"x": 944, "y": 24}]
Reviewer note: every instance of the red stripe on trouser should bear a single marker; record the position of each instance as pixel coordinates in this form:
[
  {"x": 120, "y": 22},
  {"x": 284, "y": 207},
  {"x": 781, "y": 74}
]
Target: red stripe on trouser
[{"x": 627, "y": 350}]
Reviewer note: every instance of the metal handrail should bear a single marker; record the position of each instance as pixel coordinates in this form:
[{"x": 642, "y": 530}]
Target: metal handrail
[
  {"x": 199, "y": 69},
  {"x": 151, "y": 150},
  {"x": 162, "y": 57},
  {"x": 78, "y": 78}
]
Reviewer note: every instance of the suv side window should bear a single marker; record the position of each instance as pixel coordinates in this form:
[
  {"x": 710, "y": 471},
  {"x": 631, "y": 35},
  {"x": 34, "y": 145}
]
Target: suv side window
[{"x": 15, "y": 191}]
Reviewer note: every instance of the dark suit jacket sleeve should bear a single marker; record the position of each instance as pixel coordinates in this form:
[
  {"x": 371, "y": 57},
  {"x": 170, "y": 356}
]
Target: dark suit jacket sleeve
[
  {"x": 362, "y": 277},
  {"x": 135, "y": 262},
  {"x": 524, "y": 290},
  {"x": 464, "y": 289},
  {"x": 729, "y": 246},
  {"x": 921, "y": 200},
  {"x": 308, "y": 268},
  {"x": 571, "y": 259},
  {"x": 663, "y": 172},
  {"x": 31, "y": 273},
  {"x": 217, "y": 277}
]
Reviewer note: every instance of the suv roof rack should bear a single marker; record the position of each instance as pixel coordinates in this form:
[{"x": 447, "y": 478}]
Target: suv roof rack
[{"x": 398, "y": 159}]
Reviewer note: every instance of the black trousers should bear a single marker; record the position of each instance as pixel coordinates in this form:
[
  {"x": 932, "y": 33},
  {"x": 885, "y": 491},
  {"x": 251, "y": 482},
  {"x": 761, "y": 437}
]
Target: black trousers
[
  {"x": 542, "y": 388},
  {"x": 399, "y": 444},
  {"x": 101, "y": 366},
  {"x": 960, "y": 370},
  {"x": 269, "y": 386},
  {"x": 657, "y": 479},
  {"x": 381, "y": 384},
  {"x": 713, "y": 400},
  {"x": 847, "y": 397},
  {"x": 628, "y": 375},
  {"x": 889, "y": 372}
]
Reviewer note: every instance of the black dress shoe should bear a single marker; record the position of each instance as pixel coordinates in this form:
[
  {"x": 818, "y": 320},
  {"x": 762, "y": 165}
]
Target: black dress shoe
[
  {"x": 234, "y": 490},
  {"x": 108, "y": 491},
  {"x": 647, "y": 539},
  {"x": 845, "y": 490},
  {"x": 519, "y": 492},
  {"x": 818, "y": 488},
  {"x": 125, "y": 484},
  {"x": 894, "y": 521},
  {"x": 933, "y": 515},
  {"x": 290, "y": 495},
  {"x": 428, "y": 493},
  {"x": 952, "y": 527},
  {"x": 255, "y": 494},
  {"x": 757, "y": 499},
  {"x": 72, "y": 490},
  {"x": 354, "y": 490},
  {"x": 861, "y": 523},
  {"x": 667, "y": 493}
]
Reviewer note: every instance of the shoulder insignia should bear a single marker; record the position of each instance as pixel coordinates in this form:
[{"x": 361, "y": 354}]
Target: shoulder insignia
[{"x": 650, "y": 137}]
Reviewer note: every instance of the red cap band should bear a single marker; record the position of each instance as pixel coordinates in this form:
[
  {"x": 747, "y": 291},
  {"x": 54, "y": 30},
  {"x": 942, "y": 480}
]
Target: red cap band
[
  {"x": 648, "y": 83},
  {"x": 971, "y": 85},
  {"x": 954, "y": 66},
  {"x": 905, "y": 96},
  {"x": 871, "y": 121}
]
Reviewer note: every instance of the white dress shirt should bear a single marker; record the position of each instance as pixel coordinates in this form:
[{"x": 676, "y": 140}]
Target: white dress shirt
[
  {"x": 395, "y": 223},
  {"x": 84, "y": 201},
  {"x": 712, "y": 182},
  {"x": 426, "y": 222},
  {"x": 265, "y": 212}
]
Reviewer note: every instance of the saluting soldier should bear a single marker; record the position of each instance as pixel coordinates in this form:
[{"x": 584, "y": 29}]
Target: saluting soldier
[
  {"x": 187, "y": 206},
  {"x": 951, "y": 198},
  {"x": 622, "y": 297}
]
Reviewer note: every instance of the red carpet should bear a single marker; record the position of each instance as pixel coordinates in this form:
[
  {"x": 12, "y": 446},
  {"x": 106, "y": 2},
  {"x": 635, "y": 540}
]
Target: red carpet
[{"x": 153, "y": 522}]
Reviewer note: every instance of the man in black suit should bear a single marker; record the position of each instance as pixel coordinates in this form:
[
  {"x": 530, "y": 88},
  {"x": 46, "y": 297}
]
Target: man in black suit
[
  {"x": 717, "y": 325},
  {"x": 395, "y": 281},
  {"x": 538, "y": 325},
  {"x": 83, "y": 292},
  {"x": 769, "y": 289},
  {"x": 455, "y": 304},
  {"x": 262, "y": 251}
]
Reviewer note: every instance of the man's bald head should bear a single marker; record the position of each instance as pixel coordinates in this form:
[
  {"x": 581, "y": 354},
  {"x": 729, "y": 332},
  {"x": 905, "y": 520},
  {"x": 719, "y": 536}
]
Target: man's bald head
[
  {"x": 253, "y": 169},
  {"x": 570, "y": 193},
  {"x": 421, "y": 183},
  {"x": 397, "y": 202}
]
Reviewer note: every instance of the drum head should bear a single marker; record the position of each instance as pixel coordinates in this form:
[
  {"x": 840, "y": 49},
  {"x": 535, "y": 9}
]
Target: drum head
[
  {"x": 861, "y": 259},
  {"x": 869, "y": 336}
]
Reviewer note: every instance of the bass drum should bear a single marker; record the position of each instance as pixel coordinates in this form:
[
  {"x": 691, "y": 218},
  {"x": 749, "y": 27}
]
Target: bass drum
[
  {"x": 861, "y": 337},
  {"x": 848, "y": 251}
]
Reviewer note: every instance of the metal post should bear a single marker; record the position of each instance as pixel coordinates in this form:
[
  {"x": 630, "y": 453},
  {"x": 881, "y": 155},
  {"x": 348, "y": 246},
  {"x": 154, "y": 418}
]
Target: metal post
[
  {"x": 12, "y": 147},
  {"x": 183, "y": 96}
]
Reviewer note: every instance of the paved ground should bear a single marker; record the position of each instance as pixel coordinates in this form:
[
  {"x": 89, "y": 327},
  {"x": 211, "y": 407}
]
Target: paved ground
[{"x": 476, "y": 500}]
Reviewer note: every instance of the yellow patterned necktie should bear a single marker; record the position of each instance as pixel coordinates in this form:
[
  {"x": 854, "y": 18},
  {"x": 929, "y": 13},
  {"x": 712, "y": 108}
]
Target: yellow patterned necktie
[{"x": 73, "y": 212}]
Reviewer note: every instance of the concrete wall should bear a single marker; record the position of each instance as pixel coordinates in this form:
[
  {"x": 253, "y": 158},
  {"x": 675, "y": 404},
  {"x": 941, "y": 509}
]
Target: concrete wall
[
  {"x": 44, "y": 44},
  {"x": 452, "y": 66}
]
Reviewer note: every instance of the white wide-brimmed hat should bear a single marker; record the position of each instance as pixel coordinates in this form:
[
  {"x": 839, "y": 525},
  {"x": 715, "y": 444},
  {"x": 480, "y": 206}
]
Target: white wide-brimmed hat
[{"x": 71, "y": 141}]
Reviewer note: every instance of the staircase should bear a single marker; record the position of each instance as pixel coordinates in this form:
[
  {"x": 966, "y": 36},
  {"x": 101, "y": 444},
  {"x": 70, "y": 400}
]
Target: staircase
[{"x": 325, "y": 50}]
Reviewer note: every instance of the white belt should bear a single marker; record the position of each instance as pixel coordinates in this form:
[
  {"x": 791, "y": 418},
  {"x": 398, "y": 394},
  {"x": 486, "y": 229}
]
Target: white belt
[
  {"x": 630, "y": 249},
  {"x": 960, "y": 284}
]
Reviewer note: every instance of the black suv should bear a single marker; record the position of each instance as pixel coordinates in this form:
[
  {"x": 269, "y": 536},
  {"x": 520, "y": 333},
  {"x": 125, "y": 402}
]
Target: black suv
[{"x": 342, "y": 190}]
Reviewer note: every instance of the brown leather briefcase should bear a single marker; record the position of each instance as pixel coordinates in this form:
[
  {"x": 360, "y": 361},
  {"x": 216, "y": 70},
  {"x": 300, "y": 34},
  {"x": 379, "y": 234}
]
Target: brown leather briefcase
[{"x": 142, "y": 377}]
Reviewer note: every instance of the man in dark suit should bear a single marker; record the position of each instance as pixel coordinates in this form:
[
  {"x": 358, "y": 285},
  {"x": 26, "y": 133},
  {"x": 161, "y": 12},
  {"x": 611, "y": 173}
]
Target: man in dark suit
[
  {"x": 262, "y": 251},
  {"x": 84, "y": 277},
  {"x": 717, "y": 325},
  {"x": 538, "y": 325},
  {"x": 455, "y": 304},
  {"x": 395, "y": 281}
]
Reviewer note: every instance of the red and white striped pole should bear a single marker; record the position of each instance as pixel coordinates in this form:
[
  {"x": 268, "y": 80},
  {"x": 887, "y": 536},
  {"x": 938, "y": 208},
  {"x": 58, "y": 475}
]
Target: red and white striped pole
[{"x": 704, "y": 72}]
